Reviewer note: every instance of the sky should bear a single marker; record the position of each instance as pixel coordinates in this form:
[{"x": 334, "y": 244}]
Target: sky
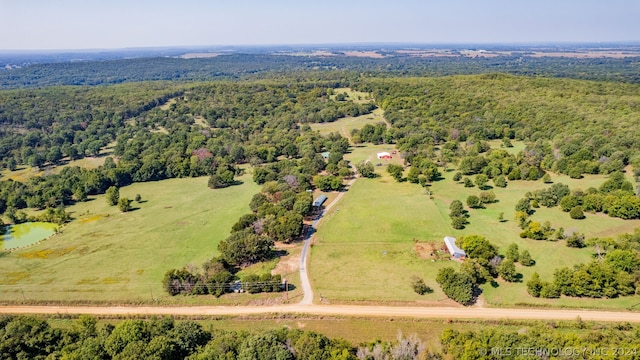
[{"x": 113, "y": 24}]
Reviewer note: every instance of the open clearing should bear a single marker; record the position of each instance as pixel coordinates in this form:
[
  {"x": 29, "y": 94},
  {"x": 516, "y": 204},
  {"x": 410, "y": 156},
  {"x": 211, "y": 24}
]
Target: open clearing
[
  {"x": 108, "y": 256},
  {"x": 366, "y": 251},
  {"x": 345, "y": 125}
]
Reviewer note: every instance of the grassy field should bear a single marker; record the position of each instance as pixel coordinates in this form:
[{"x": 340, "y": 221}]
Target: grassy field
[
  {"x": 346, "y": 124},
  {"x": 24, "y": 172},
  {"x": 357, "y": 97},
  {"x": 106, "y": 255},
  {"x": 366, "y": 251}
]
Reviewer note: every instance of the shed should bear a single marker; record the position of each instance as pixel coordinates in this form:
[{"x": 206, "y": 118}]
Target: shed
[
  {"x": 325, "y": 155},
  {"x": 454, "y": 250},
  {"x": 383, "y": 155},
  {"x": 320, "y": 200}
]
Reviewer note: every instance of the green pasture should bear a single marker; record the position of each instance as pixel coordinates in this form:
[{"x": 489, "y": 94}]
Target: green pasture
[
  {"x": 357, "y": 97},
  {"x": 345, "y": 125},
  {"x": 360, "y": 153},
  {"x": 364, "y": 248},
  {"x": 365, "y": 251},
  {"x": 104, "y": 255}
]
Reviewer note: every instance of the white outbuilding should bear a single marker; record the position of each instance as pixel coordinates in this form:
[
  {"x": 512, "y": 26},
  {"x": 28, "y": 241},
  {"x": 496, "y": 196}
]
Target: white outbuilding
[{"x": 454, "y": 250}]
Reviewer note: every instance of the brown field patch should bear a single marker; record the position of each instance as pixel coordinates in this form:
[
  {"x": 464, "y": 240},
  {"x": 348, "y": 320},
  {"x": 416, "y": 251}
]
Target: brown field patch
[
  {"x": 199, "y": 55},
  {"x": 287, "y": 264},
  {"x": 430, "y": 250},
  {"x": 369, "y": 54}
]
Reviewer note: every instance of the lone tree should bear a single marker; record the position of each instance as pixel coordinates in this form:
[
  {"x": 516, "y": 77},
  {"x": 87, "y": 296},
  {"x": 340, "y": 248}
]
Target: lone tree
[
  {"x": 507, "y": 271},
  {"x": 525, "y": 258},
  {"x": 365, "y": 169},
  {"x": 576, "y": 213},
  {"x": 481, "y": 181},
  {"x": 456, "y": 208},
  {"x": 512, "y": 252},
  {"x": 474, "y": 202},
  {"x": 419, "y": 286},
  {"x": 124, "y": 204},
  {"x": 112, "y": 195}
]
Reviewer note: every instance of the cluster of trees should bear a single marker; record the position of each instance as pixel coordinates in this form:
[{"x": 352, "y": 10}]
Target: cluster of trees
[
  {"x": 613, "y": 272},
  {"x": 23, "y": 337},
  {"x": 218, "y": 278},
  {"x": 615, "y": 197},
  {"x": 578, "y": 340},
  {"x": 483, "y": 264},
  {"x": 423, "y": 171},
  {"x": 277, "y": 215},
  {"x": 458, "y": 214}
]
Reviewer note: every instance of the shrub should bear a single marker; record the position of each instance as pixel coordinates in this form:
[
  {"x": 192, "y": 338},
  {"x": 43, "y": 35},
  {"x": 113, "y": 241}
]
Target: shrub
[
  {"x": 473, "y": 201},
  {"x": 576, "y": 213},
  {"x": 512, "y": 252},
  {"x": 458, "y": 222},
  {"x": 507, "y": 271},
  {"x": 525, "y": 258},
  {"x": 112, "y": 195},
  {"x": 500, "y": 181},
  {"x": 487, "y": 197},
  {"x": 419, "y": 286},
  {"x": 124, "y": 204}
]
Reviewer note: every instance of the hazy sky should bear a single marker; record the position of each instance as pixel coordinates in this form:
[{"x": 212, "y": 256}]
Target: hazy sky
[{"x": 88, "y": 24}]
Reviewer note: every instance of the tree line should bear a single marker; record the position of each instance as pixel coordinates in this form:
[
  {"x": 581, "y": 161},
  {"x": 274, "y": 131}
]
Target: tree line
[
  {"x": 24, "y": 337},
  {"x": 267, "y": 66}
]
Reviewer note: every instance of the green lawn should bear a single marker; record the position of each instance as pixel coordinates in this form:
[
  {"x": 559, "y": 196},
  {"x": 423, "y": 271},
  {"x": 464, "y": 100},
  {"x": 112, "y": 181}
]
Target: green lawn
[
  {"x": 365, "y": 251},
  {"x": 105, "y": 255}
]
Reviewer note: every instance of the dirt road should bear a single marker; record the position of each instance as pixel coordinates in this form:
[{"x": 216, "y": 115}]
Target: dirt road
[{"x": 337, "y": 310}]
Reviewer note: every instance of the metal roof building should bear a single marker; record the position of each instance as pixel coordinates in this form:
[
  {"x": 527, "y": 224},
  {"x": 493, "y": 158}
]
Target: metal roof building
[
  {"x": 320, "y": 200},
  {"x": 454, "y": 250}
]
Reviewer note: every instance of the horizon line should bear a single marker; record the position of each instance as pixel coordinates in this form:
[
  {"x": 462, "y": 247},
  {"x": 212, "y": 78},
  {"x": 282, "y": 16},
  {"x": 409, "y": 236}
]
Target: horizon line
[{"x": 329, "y": 44}]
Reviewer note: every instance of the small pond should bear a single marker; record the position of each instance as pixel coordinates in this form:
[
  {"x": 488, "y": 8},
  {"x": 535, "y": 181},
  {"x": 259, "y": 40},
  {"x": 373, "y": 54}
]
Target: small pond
[{"x": 21, "y": 235}]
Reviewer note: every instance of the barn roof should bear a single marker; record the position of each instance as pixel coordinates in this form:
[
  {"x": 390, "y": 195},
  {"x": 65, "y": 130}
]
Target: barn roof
[
  {"x": 450, "y": 242},
  {"x": 320, "y": 200}
]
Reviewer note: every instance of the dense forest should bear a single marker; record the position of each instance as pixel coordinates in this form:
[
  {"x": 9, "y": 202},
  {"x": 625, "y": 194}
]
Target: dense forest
[
  {"x": 571, "y": 127},
  {"x": 260, "y": 66}
]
